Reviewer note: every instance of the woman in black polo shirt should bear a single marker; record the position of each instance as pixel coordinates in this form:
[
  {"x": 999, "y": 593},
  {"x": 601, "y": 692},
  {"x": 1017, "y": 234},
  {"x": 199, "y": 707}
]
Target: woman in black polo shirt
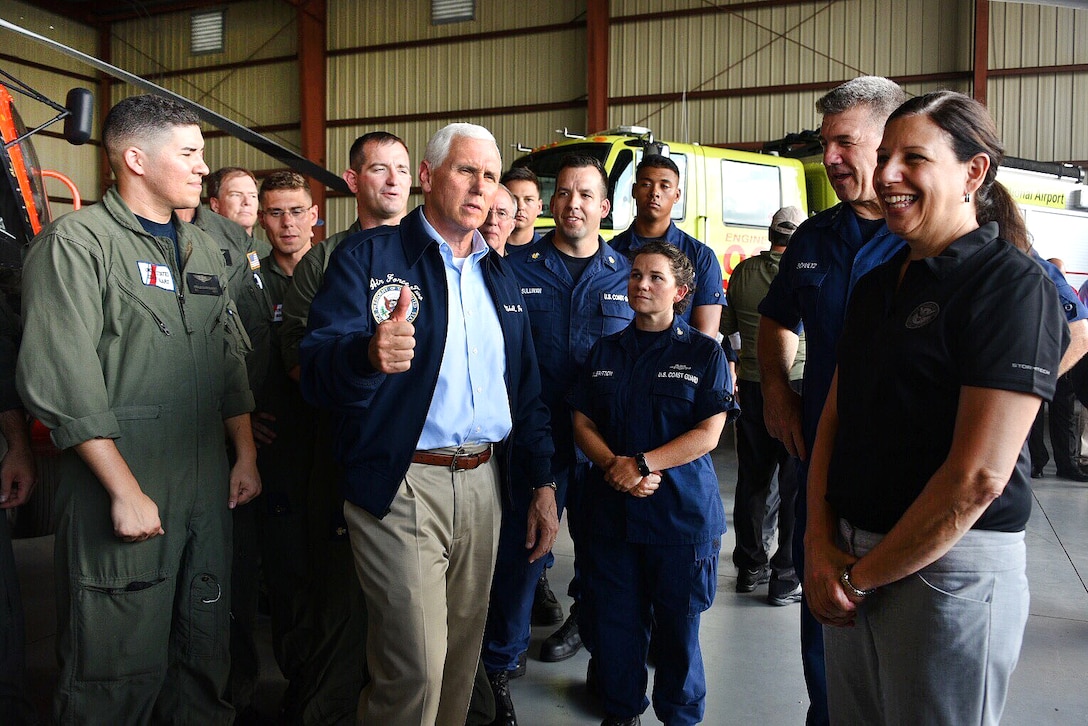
[{"x": 918, "y": 485}]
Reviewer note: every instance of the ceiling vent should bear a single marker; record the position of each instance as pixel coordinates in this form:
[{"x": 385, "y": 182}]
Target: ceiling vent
[
  {"x": 207, "y": 32},
  {"x": 452, "y": 11}
]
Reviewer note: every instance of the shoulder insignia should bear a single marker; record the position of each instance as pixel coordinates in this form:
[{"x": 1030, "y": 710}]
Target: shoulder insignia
[{"x": 254, "y": 260}]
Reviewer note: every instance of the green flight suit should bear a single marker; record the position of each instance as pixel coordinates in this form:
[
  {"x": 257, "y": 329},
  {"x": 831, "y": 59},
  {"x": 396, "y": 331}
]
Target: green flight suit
[
  {"x": 119, "y": 343},
  {"x": 333, "y": 628},
  {"x": 285, "y": 467},
  {"x": 246, "y": 285}
]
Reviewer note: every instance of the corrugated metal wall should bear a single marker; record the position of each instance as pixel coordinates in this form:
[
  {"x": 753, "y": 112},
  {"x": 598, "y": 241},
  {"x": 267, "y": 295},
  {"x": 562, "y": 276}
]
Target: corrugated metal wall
[
  {"x": 374, "y": 86},
  {"x": 725, "y": 76},
  {"x": 1043, "y": 115},
  {"x": 254, "y": 95},
  {"x": 79, "y": 163},
  {"x": 720, "y": 54}
]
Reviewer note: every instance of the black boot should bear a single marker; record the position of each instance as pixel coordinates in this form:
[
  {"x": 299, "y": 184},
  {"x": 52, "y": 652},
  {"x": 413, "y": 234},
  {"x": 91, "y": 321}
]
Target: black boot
[
  {"x": 546, "y": 608},
  {"x": 563, "y": 643},
  {"x": 504, "y": 705}
]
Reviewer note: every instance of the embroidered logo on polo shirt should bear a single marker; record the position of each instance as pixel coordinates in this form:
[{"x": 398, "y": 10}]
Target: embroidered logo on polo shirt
[
  {"x": 532, "y": 291},
  {"x": 601, "y": 374},
  {"x": 385, "y": 300},
  {"x": 807, "y": 265},
  {"x": 923, "y": 315}
]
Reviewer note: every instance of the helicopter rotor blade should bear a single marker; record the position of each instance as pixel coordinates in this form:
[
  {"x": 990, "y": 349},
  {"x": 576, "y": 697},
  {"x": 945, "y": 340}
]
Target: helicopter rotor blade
[{"x": 262, "y": 143}]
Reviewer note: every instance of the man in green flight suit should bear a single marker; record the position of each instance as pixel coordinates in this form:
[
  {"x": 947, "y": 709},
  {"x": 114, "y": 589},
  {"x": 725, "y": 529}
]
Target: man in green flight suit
[{"x": 134, "y": 357}]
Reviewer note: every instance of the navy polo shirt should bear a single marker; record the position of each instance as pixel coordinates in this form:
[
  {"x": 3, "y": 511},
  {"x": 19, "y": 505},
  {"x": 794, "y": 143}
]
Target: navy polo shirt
[
  {"x": 640, "y": 400},
  {"x": 980, "y": 314},
  {"x": 567, "y": 318},
  {"x": 708, "y": 273}
]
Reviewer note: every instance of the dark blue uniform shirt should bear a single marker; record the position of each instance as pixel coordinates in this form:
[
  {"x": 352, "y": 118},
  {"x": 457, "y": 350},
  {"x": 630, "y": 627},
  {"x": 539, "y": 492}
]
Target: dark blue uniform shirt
[
  {"x": 708, "y": 273},
  {"x": 640, "y": 401},
  {"x": 567, "y": 318}
]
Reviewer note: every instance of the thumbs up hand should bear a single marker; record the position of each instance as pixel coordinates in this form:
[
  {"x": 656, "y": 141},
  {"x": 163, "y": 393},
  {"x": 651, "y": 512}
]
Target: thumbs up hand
[{"x": 393, "y": 345}]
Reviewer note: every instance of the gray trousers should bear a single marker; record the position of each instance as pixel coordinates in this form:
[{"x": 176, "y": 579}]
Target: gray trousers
[{"x": 937, "y": 647}]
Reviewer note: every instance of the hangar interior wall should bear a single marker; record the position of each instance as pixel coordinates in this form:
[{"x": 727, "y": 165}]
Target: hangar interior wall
[{"x": 690, "y": 72}]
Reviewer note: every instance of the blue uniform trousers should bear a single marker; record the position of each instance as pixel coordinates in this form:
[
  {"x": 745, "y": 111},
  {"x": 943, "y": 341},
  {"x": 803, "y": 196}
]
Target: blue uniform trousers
[
  {"x": 629, "y": 586},
  {"x": 513, "y": 585}
]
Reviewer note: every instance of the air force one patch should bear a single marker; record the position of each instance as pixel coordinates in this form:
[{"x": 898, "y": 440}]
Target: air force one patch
[
  {"x": 923, "y": 315},
  {"x": 156, "y": 275},
  {"x": 385, "y": 301}
]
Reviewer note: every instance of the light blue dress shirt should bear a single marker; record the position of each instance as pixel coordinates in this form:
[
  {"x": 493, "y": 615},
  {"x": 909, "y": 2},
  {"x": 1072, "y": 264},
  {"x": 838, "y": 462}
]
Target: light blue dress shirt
[{"x": 470, "y": 404}]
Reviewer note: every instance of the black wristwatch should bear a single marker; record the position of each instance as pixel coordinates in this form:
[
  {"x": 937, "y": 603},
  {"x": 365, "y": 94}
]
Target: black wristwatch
[
  {"x": 548, "y": 485},
  {"x": 640, "y": 462}
]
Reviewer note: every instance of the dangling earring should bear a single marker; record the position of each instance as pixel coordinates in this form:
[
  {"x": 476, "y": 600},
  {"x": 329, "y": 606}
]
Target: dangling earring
[{"x": 967, "y": 197}]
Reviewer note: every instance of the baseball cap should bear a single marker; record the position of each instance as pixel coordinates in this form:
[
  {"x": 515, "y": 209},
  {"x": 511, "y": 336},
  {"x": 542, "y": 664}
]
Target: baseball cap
[{"x": 786, "y": 220}]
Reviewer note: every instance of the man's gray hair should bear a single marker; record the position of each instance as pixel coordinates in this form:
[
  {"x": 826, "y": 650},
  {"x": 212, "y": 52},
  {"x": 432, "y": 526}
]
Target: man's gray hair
[
  {"x": 513, "y": 199},
  {"x": 881, "y": 95},
  {"x": 438, "y": 148}
]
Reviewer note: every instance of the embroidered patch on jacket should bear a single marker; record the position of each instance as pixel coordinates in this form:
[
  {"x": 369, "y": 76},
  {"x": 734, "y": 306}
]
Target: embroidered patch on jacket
[
  {"x": 923, "y": 315},
  {"x": 153, "y": 274},
  {"x": 254, "y": 260},
  {"x": 277, "y": 313},
  {"x": 226, "y": 257},
  {"x": 202, "y": 284},
  {"x": 385, "y": 301}
]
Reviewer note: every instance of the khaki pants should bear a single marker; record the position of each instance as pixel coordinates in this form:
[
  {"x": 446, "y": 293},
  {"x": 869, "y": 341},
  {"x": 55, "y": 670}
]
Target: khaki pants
[{"x": 424, "y": 568}]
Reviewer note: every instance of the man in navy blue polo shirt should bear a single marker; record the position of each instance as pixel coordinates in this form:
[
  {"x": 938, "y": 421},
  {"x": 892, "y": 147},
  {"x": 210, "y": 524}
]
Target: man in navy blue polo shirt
[
  {"x": 656, "y": 191},
  {"x": 827, "y": 255},
  {"x": 575, "y": 291}
]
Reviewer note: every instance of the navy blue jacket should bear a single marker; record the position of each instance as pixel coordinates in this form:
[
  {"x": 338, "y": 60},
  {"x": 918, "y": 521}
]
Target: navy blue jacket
[{"x": 379, "y": 417}]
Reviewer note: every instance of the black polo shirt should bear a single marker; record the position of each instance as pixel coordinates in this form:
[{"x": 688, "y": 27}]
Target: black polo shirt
[{"x": 981, "y": 314}]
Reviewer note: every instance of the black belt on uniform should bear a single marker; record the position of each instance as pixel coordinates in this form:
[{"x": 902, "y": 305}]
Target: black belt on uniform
[{"x": 453, "y": 462}]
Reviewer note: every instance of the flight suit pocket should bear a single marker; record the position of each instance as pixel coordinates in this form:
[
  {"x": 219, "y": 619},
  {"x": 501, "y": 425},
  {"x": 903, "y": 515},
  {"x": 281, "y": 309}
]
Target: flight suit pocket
[
  {"x": 208, "y": 617},
  {"x": 122, "y": 630}
]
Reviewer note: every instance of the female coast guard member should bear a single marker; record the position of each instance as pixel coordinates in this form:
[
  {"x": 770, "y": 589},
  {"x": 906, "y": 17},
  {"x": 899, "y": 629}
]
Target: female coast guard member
[{"x": 650, "y": 405}]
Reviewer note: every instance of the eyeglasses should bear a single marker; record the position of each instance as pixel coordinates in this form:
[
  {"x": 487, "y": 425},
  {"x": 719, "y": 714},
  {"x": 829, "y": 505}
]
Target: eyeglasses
[
  {"x": 295, "y": 212},
  {"x": 502, "y": 214}
]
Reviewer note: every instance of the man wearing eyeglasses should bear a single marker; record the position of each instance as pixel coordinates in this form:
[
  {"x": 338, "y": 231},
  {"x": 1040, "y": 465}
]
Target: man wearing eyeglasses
[{"x": 499, "y": 224}]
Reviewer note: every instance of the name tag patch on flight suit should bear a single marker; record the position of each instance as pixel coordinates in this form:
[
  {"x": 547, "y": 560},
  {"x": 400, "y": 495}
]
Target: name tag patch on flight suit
[
  {"x": 254, "y": 260},
  {"x": 153, "y": 274},
  {"x": 201, "y": 284}
]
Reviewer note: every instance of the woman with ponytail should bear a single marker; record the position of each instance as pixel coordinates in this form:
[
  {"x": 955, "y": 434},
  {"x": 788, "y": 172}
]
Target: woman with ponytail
[{"x": 918, "y": 484}]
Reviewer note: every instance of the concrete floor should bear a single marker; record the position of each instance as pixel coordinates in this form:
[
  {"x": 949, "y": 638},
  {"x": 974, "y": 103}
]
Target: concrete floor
[{"x": 749, "y": 648}]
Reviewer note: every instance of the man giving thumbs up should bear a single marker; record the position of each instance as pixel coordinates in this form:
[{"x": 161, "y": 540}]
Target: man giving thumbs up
[{"x": 424, "y": 440}]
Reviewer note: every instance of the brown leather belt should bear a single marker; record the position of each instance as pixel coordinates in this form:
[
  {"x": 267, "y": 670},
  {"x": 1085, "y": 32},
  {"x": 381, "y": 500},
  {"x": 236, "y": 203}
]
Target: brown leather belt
[{"x": 453, "y": 462}]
